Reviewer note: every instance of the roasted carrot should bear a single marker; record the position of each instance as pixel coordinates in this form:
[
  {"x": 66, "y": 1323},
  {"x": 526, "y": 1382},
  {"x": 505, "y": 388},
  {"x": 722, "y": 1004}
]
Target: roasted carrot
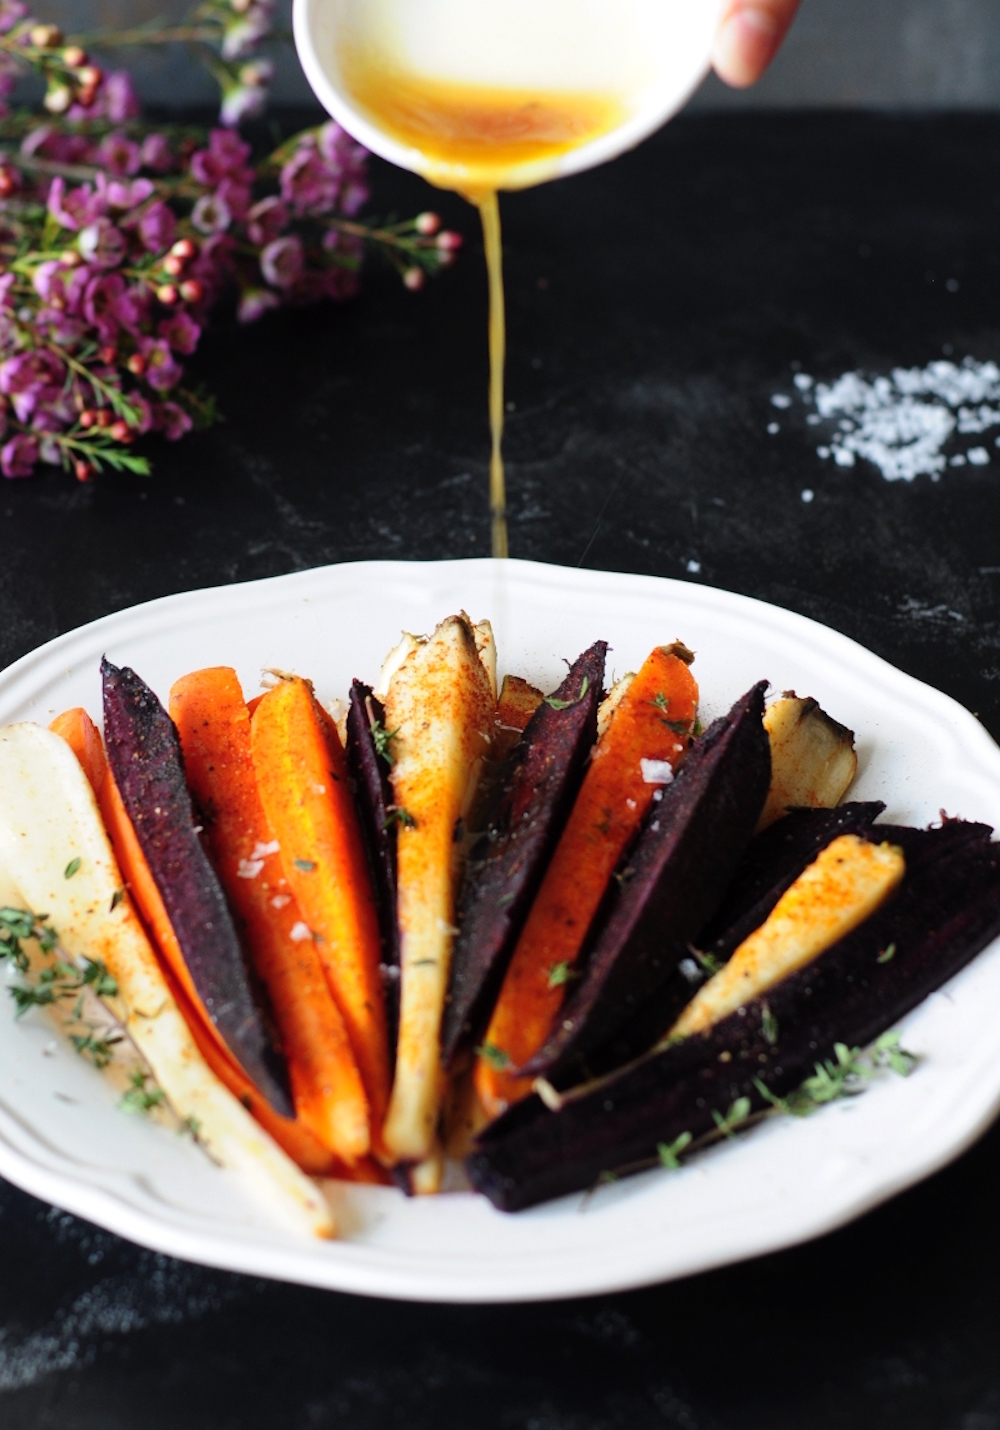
[
  {"x": 83, "y": 738},
  {"x": 303, "y": 784},
  {"x": 214, "y": 728},
  {"x": 646, "y": 738}
]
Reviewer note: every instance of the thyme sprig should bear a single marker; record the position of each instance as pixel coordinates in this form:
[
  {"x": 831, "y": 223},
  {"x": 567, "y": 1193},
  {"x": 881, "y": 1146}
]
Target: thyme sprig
[{"x": 557, "y": 704}]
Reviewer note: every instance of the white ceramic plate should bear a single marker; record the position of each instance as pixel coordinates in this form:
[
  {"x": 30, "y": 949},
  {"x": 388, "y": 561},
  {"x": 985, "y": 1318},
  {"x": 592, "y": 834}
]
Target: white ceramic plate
[{"x": 62, "y": 1137}]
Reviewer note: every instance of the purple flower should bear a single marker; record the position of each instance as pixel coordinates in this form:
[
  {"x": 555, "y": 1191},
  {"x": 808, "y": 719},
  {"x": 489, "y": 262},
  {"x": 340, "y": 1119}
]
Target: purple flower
[
  {"x": 235, "y": 196},
  {"x": 25, "y": 378},
  {"x": 282, "y": 261},
  {"x": 11, "y": 11},
  {"x": 47, "y": 143},
  {"x": 157, "y": 154},
  {"x": 213, "y": 266},
  {"x": 157, "y": 228},
  {"x": 101, "y": 304},
  {"x": 255, "y": 302},
  {"x": 326, "y": 172},
  {"x": 6, "y": 296},
  {"x": 60, "y": 327},
  {"x": 18, "y": 456},
  {"x": 115, "y": 100},
  {"x": 129, "y": 196},
  {"x": 144, "y": 410},
  {"x": 77, "y": 208},
  {"x": 53, "y": 411},
  {"x": 181, "y": 332},
  {"x": 211, "y": 214},
  {"x": 119, "y": 154},
  {"x": 225, "y": 158},
  {"x": 248, "y": 29},
  {"x": 162, "y": 371},
  {"x": 172, "y": 421},
  {"x": 266, "y": 220},
  {"x": 102, "y": 244}
]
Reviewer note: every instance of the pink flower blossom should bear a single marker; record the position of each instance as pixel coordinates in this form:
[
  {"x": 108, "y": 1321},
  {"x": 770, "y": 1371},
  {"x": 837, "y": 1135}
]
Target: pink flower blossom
[
  {"x": 181, "y": 332},
  {"x": 248, "y": 29},
  {"x": 102, "y": 304},
  {"x": 102, "y": 244},
  {"x": 119, "y": 154},
  {"x": 211, "y": 214},
  {"x": 144, "y": 412},
  {"x": 18, "y": 456},
  {"x": 213, "y": 267},
  {"x": 115, "y": 100},
  {"x": 129, "y": 196},
  {"x": 255, "y": 302},
  {"x": 326, "y": 172},
  {"x": 157, "y": 154},
  {"x": 26, "y": 377},
  {"x": 47, "y": 143},
  {"x": 157, "y": 228},
  {"x": 80, "y": 207},
  {"x": 282, "y": 261},
  {"x": 266, "y": 220},
  {"x": 11, "y": 11},
  {"x": 171, "y": 420},
  {"x": 235, "y": 196},
  {"x": 225, "y": 158},
  {"x": 6, "y": 296},
  {"x": 162, "y": 370}
]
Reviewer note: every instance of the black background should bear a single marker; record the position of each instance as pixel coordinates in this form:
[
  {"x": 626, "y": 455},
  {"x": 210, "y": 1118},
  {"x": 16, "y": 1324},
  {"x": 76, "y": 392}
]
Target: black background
[{"x": 654, "y": 307}]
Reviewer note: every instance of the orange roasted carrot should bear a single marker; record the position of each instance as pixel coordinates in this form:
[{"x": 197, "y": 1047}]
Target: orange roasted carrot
[
  {"x": 214, "y": 728},
  {"x": 303, "y": 784},
  {"x": 653, "y": 722},
  {"x": 83, "y": 738}
]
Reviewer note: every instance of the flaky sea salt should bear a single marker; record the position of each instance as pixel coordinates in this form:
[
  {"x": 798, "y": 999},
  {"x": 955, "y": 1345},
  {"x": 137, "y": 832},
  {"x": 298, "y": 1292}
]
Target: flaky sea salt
[{"x": 903, "y": 422}]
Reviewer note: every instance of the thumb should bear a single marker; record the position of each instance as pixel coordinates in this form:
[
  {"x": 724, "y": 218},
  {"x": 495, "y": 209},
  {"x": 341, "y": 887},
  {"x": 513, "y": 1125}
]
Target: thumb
[{"x": 749, "y": 36}]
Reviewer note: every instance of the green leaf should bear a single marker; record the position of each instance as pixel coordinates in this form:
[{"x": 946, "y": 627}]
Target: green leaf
[
  {"x": 496, "y": 1057},
  {"x": 769, "y": 1025},
  {"x": 72, "y": 867},
  {"x": 398, "y": 815},
  {"x": 737, "y": 1114},
  {"x": 306, "y": 865},
  {"x": 558, "y": 704},
  {"x": 381, "y": 738},
  {"x": 887, "y": 954},
  {"x": 670, "y": 1153},
  {"x": 116, "y": 898},
  {"x": 139, "y": 1097},
  {"x": 560, "y": 974}
]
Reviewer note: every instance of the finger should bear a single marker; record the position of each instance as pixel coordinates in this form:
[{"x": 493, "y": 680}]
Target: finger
[{"x": 749, "y": 37}]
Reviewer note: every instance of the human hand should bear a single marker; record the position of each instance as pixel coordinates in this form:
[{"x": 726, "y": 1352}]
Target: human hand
[{"x": 748, "y": 38}]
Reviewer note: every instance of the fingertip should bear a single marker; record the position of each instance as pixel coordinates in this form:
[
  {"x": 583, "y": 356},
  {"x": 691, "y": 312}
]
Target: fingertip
[{"x": 746, "y": 43}]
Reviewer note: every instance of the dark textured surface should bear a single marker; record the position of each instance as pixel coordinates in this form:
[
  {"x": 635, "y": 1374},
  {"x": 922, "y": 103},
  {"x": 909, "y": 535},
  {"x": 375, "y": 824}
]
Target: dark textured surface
[{"x": 680, "y": 285}]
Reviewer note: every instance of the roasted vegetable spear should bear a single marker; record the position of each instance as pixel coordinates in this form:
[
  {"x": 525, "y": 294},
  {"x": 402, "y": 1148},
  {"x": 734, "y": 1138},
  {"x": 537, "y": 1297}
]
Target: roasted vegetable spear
[
  {"x": 440, "y": 705},
  {"x": 644, "y": 740},
  {"x": 812, "y": 757},
  {"x": 145, "y": 759},
  {"x": 671, "y": 882},
  {"x": 548, "y": 764},
  {"x": 947, "y": 910}
]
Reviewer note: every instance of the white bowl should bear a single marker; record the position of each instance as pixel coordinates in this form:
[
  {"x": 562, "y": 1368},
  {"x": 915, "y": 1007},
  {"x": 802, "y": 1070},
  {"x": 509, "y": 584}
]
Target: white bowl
[{"x": 647, "y": 55}]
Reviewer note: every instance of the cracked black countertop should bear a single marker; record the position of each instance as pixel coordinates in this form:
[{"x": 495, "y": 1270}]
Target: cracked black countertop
[{"x": 655, "y": 307}]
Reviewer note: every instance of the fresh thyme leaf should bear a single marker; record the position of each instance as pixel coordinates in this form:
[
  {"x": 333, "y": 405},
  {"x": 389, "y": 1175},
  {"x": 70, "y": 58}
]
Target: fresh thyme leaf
[
  {"x": 697, "y": 728},
  {"x": 96, "y": 1045},
  {"x": 192, "y": 1126},
  {"x": 496, "y": 1057},
  {"x": 96, "y": 975},
  {"x": 116, "y": 898},
  {"x": 558, "y": 704},
  {"x": 139, "y": 1097},
  {"x": 887, "y": 954},
  {"x": 670, "y": 1153},
  {"x": 708, "y": 962},
  {"x": 679, "y": 727},
  {"x": 769, "y": 1025},
  {"x": 72, "y": 867},
  {"x": 381, "y": 738},
  {"x": 559, "y": 974},
  {"x": 398, "y": 815},
  {"x": 306, "y": 865},
  {"x": 660, "y": 700},
  {"x": 889, "y": 1053},
  {"x": 739, "y": 1112}
]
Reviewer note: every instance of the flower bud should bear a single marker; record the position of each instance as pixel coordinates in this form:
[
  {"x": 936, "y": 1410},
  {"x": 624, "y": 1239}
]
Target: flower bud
[
  {"x": 45, "y": 37},
  {"x": 83, "y": 471},
  {"x": 86, "y": 97},
  {"x": 192, "y": 291},
  {"x": 121, "y": 431},
  {"x": 427, "y": 223},
  {"x": 167, "y": 294},
  {"x": 8, "y": 182},
  {"x": 173, "y": 265},
  {"x": 107, "y": 353},
  {"x": 74, "y": 57},
  {"x": 90, "y": 76},
  {"x": 88, "y": 418},
  {"x": 136, "y": 364},
  {"x": 414, "y": 279},
  {"x": 104, "y": 418},
  {"x": 449, "y": 242},
  {"x": 69, "y": 258},
  {"x": 184, "y": 248},
  {"x": 58, "y": 99}
]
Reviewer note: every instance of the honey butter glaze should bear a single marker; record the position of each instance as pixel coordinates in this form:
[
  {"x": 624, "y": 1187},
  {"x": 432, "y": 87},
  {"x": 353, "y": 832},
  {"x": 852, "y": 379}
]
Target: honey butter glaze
[{"x": 478, "y": 140}]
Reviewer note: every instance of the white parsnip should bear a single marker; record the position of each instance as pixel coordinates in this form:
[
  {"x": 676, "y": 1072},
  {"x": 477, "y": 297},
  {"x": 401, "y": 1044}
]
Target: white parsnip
[
  {"x": 813, "y": 760},
  {"x": 54, "y": 849},
  {"x": 440, "y": 704},
  {"x": 838, "y": 891}
]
